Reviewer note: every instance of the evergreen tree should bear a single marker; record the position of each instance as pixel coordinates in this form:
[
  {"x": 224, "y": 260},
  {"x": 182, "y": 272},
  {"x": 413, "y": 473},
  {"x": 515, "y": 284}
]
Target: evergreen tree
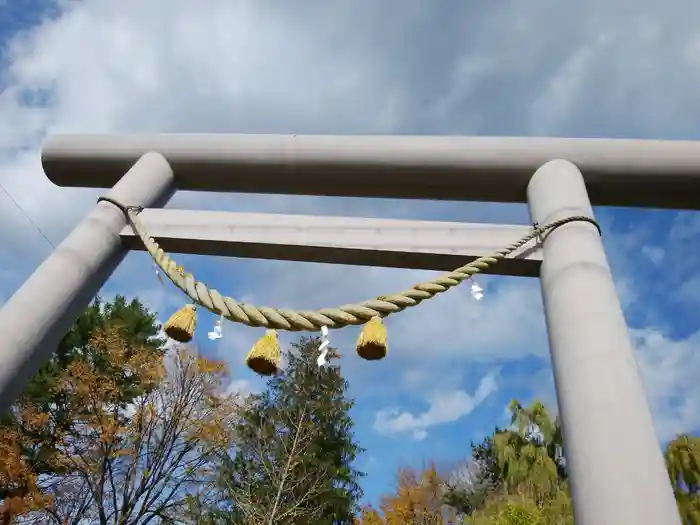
[
  {"x": 478, "y": 478},
  {"x": 295, "y": 450}
]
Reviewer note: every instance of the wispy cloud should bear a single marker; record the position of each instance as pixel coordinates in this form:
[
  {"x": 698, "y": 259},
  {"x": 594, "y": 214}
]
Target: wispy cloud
[{"x": 444, "y": 407}]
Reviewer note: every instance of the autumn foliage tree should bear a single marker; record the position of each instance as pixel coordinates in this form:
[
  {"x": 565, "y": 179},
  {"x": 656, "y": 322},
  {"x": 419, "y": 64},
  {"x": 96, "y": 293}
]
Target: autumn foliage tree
[
  {"x": 22, "y": 492},
  {"x": 418, "y": 500},
  {"x": 114, "y": 430},
  {"x": 37, "y": 424},
  {"x": 128, "y": 463}
]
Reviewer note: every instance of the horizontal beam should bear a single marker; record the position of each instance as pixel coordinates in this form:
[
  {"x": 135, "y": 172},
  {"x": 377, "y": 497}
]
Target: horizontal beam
[
  {"x": 646, "y": 173},
  {"x": 390, "y": 243}
]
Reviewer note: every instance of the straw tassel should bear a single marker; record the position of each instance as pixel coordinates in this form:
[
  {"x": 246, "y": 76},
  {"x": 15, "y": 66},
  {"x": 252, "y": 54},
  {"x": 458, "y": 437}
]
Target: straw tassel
[
  {"x": 264, "y": 357},
  {"x": 371, "y": 344},
  {"x": 180, "y": 327}
]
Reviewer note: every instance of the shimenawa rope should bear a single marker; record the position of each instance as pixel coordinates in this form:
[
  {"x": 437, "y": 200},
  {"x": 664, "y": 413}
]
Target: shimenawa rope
[{"x": 304, "y": 320}]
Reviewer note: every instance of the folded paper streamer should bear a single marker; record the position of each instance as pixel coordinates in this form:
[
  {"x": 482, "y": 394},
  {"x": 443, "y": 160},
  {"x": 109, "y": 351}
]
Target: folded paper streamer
[
  {"x": 477, "y": 292},
  {"x": 217, "y": 333},
  {"x": 323, "y": 347}
]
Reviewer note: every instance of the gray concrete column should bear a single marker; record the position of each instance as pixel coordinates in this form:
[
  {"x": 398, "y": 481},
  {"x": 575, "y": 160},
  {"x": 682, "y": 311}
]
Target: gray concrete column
[
  {"x": 617, "y": 471},
  {"x": 42, "y": 311}
]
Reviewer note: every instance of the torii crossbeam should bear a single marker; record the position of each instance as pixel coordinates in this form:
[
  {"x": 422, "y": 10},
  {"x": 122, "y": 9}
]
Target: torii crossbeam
[{"x": 617, "y": 471}]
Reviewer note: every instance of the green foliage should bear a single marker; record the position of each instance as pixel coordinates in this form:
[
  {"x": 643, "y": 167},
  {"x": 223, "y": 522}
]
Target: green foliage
[
  {"x": 296, "y": 448},
  {"x": 683, "y": 463},
  {"x": 688, "y": 507},
  {"x": 525, "y": 513},
  {"x": 558, "y": 509},
  {"x": 509, "y": 511},
  {"x": 530, "y": 456},
  {"x": 522, "y": 510},
  {"x": 485, "y": 457},
  {"x": 477, "y": 479}
]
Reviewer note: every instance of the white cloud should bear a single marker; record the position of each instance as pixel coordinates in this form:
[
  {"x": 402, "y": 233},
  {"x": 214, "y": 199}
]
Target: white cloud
[
  {"x": 654, "y": 254},
  {"x": 445, "y": 407},
  {"x": 670, "y": 370},
  {"x": 243, "y": 387}
]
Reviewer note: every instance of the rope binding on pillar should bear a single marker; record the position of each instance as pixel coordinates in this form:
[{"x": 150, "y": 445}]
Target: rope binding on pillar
[{"x": 264, "y": 357}]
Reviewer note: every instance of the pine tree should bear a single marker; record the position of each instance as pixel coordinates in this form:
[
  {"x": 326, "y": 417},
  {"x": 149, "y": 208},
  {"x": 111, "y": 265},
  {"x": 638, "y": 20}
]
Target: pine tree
[
  {"x": 477, "y": 478},
  {"x": 295, "y": 450}
]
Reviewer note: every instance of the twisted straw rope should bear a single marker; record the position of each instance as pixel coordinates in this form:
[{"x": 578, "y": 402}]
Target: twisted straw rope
[{"x": 299, "y": 320}]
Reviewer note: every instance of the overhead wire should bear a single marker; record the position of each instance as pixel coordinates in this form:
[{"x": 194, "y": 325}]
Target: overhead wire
[{"x": 24, "y": 212}]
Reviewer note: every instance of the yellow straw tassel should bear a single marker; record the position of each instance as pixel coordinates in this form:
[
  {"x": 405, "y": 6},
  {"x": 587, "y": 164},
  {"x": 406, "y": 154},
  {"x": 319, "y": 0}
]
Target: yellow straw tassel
[
  {"x": 181, "y": 324},
  {"x": 264, "y": 357},
  {"x": 371, "y": 344}
]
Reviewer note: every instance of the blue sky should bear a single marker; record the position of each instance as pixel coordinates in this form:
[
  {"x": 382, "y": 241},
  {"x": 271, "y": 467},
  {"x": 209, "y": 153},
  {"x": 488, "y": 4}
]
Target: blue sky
[{"x": 502, "y": 67}]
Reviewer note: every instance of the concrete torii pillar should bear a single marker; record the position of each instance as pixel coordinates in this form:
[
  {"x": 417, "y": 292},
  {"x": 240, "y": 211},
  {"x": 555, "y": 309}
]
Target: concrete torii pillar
[
  {"x": 617, "y": 472},
  {"x": 41, "y": 312}
]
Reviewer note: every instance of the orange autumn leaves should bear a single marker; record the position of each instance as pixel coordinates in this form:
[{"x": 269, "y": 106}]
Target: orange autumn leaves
[
  {"x": 141, "y": 423},
  {"x": 417, "y": 501},
  {"x": 21, "y": 487},
  {"x": 21, "y": 491}
]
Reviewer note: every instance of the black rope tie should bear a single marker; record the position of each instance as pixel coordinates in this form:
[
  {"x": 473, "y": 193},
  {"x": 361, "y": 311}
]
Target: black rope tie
[
  {"x": 561, "y": 222},
  {"x": 124, "y": 209}
]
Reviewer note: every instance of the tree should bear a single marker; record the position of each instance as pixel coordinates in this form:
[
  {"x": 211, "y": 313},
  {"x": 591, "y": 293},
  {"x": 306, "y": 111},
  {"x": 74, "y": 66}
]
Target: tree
[
  {"x": 532, "y": 475},
  {"x": 472, "y": 481},
  {"x": 130, "y": 464},
  {"x": 137, "y": 325},
  {"x": 32, "y": 443},
  {"x": 418, "y": 500},
  {"x": 520, "y": 509},
  {"x": 369, "y": 516},
  {"x": 509, "y": 510},
  {"x": 19, "y": 481},
  {"x": 530, "y": 456},
  {"x": 683, "y": 463},
  {"x": 515, "y": 475},
  {"x": 296, "y": 448}
]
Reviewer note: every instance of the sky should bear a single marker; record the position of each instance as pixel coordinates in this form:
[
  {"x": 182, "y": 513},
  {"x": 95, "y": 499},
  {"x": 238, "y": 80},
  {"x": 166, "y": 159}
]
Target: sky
[{"x": 499, "y": 67}]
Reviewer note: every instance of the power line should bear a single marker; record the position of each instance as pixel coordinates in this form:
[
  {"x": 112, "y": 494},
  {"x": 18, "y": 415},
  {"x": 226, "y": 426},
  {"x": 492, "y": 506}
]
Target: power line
[{"x": 36, "y": 226}]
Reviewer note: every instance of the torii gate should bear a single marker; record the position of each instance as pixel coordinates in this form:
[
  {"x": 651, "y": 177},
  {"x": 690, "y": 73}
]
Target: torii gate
[{"x": 617, "y": 471}]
